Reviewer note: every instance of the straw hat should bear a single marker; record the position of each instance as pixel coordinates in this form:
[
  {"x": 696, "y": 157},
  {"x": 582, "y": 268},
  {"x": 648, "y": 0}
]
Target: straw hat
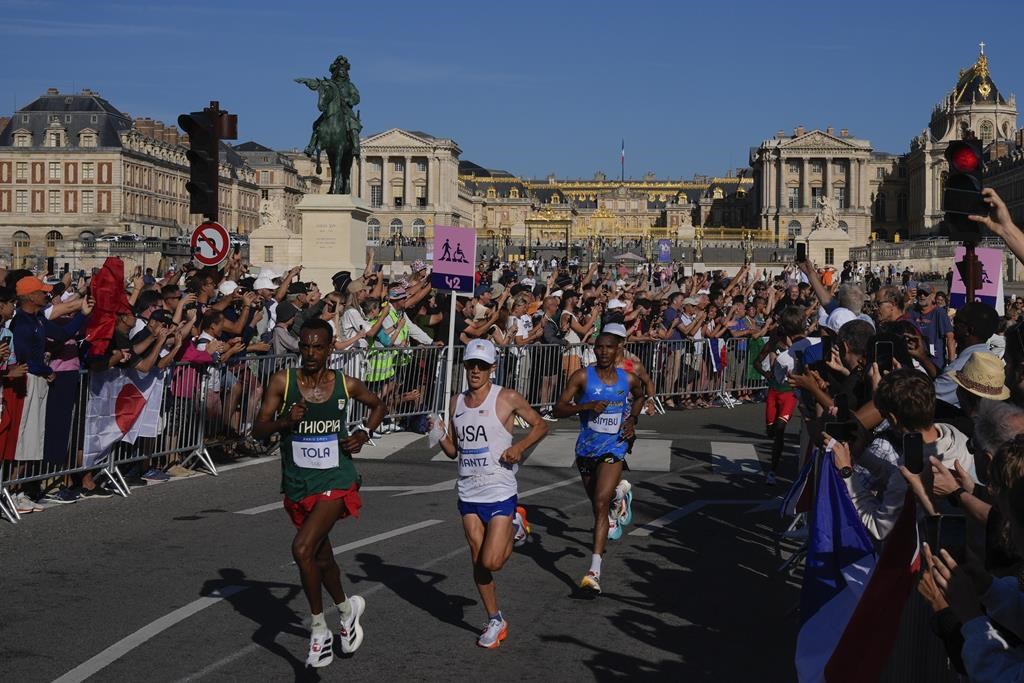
[{"x": 983, "y": 376}]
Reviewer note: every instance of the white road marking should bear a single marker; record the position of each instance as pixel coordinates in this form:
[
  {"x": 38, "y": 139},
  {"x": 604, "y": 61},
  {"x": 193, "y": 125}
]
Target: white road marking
[
  {"x": 730, "y": 457},
  {"x": 665, "y": 520},
  {"x": 338, "y": 550},
  {"x": 246, "y": 463},
  {"x": 429, "y": 488},
  {"x": 154, "y": 628},
  {"x": 388, "y": 445},
  {"x": 548, "y": 487}
]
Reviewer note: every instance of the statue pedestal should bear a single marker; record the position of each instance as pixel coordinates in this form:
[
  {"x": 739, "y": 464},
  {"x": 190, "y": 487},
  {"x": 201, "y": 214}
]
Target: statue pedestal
[
  {"x": 333, "y": 236},
  {"x": 834, "y": 239},
  {"x": 285, "y": 248}
]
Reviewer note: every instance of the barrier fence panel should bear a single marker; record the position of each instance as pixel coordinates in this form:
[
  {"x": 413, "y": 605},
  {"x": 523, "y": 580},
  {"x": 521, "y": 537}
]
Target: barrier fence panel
[{"x": 215, "y": 406}]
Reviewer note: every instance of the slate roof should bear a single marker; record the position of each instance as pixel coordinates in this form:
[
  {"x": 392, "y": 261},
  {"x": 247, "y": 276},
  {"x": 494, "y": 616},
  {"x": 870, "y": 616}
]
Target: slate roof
[{"x": 74, "y": 113}]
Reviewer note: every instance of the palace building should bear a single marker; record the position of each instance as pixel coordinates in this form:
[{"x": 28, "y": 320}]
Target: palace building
[
  {"x": 881, "y": 193},
  {"x": 72, "y": 166}
]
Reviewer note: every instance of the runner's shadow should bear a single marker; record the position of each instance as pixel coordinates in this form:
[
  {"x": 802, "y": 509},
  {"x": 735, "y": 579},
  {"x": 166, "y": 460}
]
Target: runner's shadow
[
  {"x": 423, "y": 592},
  {"x": 256, "y": 602},
  {"x": 548, "y": 560}
]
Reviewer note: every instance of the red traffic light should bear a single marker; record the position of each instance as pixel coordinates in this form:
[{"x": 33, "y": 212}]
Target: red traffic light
[{"x": 964, "y": 158}]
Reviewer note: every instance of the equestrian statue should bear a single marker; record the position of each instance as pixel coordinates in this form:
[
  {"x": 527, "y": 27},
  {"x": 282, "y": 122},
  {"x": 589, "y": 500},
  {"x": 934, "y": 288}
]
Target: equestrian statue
[{"x": 336, "y": 131}]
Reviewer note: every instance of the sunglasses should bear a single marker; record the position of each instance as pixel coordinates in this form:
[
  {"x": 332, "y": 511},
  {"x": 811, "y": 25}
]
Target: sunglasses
[{"x": 477, "y": 365}]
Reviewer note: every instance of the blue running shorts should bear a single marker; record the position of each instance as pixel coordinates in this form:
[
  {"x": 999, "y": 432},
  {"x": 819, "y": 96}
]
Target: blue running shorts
[{"x": 486, "y": 511}]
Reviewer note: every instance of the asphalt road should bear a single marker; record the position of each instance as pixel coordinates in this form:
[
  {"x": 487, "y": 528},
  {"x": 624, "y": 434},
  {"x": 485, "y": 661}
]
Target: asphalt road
[{"x": 173, "y": 583}]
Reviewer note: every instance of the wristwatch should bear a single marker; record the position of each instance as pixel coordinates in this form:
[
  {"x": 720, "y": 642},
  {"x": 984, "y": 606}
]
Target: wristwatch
[
  {"x": 846, "y": 472},
  {"x": 954, "y": 497}
]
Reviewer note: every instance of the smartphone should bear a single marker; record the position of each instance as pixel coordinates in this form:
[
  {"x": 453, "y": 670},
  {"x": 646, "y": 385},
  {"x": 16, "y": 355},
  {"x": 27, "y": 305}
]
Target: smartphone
[
  {"x": 801, "y": 252},
  {"x": 913, "y": 452},
  {"x": 378, "y": 267},
  {"x": 842, "y": 431},
  {"x": 826, "y": 349},
  {"x": 842, "y": 404},
  {"x": 798, "y": 357},
  {"x": 948, "y": 532},
  {"x": 883, "y": 356}
]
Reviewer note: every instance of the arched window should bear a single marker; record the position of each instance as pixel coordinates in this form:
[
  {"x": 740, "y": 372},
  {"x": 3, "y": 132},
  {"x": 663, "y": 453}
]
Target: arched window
[
  {"x": 794, "y": 228},
  {"x": 880, "y": 207},
  {"x": 21, "y": 242},
  {"x": 396, "y": 227},
  {"x": 87, "y": 236},
  {"x": 52, "y": 238},
  {"x": 987, "y": 132},
  {"x": 419, "y": 228},
  {"x": 373, "y": 230}
]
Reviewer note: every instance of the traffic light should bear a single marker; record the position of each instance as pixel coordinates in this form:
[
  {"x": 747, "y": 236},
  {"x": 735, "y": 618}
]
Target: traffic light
[
  {"x": 962, "y": 195},
  {"x": 204, "y": 161},
  {"x": 205, "y": 131}
]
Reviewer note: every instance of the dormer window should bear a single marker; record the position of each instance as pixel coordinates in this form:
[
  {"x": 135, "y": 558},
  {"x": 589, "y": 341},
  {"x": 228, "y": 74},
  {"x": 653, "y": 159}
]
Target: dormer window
[
  {"x": 22, "y": 139},
  {"x": 491, "y": 193},
  {"x": 513, "y": 193},
  {"x": 55, "y": 138},
  {"x": 87, "y": 138}
]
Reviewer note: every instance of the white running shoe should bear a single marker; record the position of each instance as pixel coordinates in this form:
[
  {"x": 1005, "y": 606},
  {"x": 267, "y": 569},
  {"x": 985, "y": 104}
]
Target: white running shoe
[
  {"x": 321, "y": 648},
  {"x": 520, "y": 527},
  {"x": 493, "y": 633},
  {"x": 351, "y": 632},
  {"x": 624, "y": 502},
  {"x": 23, "y": 504}
]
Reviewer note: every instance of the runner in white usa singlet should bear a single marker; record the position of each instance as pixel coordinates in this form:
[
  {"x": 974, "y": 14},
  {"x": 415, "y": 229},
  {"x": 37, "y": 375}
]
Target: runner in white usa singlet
[{"x": 480, "y": 437}]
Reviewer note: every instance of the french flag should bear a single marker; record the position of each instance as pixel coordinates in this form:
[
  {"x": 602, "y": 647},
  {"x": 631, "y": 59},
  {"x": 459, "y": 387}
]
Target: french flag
[
  {"x": 851, "y": 602},
  {"x": 798, "y": 499},
  {"x": 717, "y": 354}
]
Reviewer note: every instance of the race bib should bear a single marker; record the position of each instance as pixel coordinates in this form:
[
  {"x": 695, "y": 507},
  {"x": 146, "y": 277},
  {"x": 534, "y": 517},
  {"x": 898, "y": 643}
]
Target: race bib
[
  {"x": 315, "y": 452},
  {"x": 472, "y": 463},
  {"x": 606, "y": 423}
]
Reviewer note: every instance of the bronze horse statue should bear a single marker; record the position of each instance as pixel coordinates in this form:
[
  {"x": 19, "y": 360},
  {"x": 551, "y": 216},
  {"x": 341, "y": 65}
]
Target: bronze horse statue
[{"x": 337, "y": 129}]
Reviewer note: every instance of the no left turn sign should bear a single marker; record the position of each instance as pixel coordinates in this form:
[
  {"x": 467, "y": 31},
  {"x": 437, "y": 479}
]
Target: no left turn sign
[{"x": 210, "y": 244}]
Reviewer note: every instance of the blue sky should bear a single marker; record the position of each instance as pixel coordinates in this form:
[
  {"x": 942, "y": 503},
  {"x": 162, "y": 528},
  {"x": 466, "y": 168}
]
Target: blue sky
[{"x": 529, "y": 87}]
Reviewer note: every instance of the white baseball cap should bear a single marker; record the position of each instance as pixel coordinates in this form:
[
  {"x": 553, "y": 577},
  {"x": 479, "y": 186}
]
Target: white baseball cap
[
  {"x": 227, "y": 287},
  {"x": 617, "y": 329},
  {"x": 482, "y": 350}
]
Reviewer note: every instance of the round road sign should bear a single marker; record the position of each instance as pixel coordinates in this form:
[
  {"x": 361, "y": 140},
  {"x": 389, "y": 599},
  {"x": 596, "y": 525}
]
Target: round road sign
[{"x": 210, "y": 243}]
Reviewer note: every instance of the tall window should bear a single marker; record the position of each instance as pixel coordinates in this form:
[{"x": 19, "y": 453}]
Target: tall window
[
  {"x": 794, "y": 197},
  {"x": 88, "y": 140},
  {"x": 264, "y": 194},
  {"x": 793, "y": 229},
  {"x": 421, "y": 196},
  {"x": 880, "y": 207},
  {"x": 839, "y": 197},
  {"x": 815, "y": 196},
  {"x": 376, "y": 195},
  {"x": 373, "y": 230},
  {"x": 88, "y": 170},
  {"x": 54, "y": 201},
  {"x": 21, "y": 170},
  {"x": 987, "y": 132},
  {"x": 421, "y": 166},
  {"x": 399, "y": 165},
  {"x": 268, "y": 253},
  {"x": 88, "y": 201},
  {"x": 21, "y": 242},
  {"x": 816, "y": 166},
  {"x": 54, "y": 170},
  {"x": 794, "y": 167},
  {"x": 56, "y": 140},
  {"x": 396, "y": 227},
  {"x": 880, "y": 172},
  {"x": 419, "y": 228},
  {"x": 52, "y": 238},
  {"x": 23, "y": 140},
  {"x": 21, "y": 201},
  {"x": 264, "y": 177},
  {"x": 830, "y": 256}
]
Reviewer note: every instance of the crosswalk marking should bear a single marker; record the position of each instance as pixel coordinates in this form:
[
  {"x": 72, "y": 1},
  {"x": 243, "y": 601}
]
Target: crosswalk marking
[{"x": 730, "y": 457}]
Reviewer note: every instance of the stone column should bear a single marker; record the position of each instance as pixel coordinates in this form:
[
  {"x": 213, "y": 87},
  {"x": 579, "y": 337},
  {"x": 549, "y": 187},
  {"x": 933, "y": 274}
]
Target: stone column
[
  {"x": 865, "y": 185},
  {"x": 805, "y": 183},
  {"x": 408, "y": 180},
  {"x": 826, "y": 177}
]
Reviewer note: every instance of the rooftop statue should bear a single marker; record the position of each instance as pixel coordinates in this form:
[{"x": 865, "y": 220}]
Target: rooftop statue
[{"x": 336, "y": 130}]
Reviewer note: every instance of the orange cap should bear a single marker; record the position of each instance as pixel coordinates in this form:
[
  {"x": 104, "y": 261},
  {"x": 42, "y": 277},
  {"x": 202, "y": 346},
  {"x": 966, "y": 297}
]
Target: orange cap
[{"x": 27, "y": 285}]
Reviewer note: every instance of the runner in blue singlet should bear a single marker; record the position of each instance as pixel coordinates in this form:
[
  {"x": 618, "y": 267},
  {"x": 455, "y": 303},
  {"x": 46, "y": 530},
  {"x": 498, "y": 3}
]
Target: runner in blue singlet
[{"x": 607, "y": 399}]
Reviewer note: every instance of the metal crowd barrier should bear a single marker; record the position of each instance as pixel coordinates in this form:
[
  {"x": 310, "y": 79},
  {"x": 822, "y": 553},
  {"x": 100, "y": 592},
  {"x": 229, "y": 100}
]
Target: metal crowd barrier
[{"x": 215, "y": 406}]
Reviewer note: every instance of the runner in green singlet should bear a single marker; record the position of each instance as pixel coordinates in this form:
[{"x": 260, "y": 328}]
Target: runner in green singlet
[{"x": 309, "y": 406}]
